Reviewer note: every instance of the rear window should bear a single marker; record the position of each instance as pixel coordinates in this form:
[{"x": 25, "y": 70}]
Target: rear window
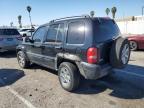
[
  {"x": 9, "y": 32},
  {"x": 105, "y": 29}
]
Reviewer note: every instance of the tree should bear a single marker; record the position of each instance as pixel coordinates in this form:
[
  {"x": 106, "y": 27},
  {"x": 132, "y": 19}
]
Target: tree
[
  {"x": 107, "y": 11},
  {"x": 11, "y": 24},
  {"x": 19, "y": 21},
  {"x": 29, "y": 11},
  {"x": 113, "y": 11},
  {"x": 133, "y": 18},
  {"x": 92, "y": 13}
]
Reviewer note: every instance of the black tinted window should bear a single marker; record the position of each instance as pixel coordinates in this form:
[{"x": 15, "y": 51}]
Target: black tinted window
[
  {"x": 76, "y": 33},
  {"x": 39, "y": 34},
  {"x": 55, "y": 33},
  {"x": 105, "y": 29},
  {"x": 9, "y": 32}
]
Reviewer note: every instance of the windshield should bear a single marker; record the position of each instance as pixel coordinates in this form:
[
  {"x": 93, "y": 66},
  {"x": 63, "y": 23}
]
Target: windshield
[
  {"x": 9, "y": 32},
  {"x": 23, "y": 30},
  {"x": 105, "y": 29}
]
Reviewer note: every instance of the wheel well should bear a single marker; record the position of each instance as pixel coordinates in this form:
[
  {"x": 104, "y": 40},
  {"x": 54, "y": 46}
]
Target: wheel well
[
  {"x": 133, "y": 41},
  {"x": 18, "y": 50},
  {"x": 61, "y": 60}
]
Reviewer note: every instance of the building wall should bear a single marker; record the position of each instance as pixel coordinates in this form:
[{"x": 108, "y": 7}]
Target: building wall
[{"x": 131, "y": 27}]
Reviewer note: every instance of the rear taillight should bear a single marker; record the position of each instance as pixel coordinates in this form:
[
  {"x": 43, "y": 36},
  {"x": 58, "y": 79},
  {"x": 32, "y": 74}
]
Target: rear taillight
[
  {"x": 93, "y": 55},
  {"x": 19, "y": 38},
  {"x": 1, "y": 39}
]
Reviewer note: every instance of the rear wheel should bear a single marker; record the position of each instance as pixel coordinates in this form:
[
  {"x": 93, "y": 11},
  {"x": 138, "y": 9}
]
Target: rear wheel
[
  {"x": 69, "y": 76},
  {"x": 22, "y": 60},
  {"x": 133, "y": 45}
]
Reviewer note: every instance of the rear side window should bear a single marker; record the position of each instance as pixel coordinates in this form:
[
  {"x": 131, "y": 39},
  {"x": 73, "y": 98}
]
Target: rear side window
[
  {"x": 76, "y": 33},
  {"x": 9, "y": 32},
  {"x": 105, "y": 29}
]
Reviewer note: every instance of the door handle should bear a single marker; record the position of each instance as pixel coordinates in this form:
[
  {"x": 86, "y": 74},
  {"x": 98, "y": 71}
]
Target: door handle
[{"x": 58, "y": 47}]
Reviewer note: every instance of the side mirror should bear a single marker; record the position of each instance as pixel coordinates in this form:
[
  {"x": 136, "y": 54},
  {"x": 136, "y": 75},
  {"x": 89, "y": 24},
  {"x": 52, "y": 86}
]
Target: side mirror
[{"x": 28, "y": 39}]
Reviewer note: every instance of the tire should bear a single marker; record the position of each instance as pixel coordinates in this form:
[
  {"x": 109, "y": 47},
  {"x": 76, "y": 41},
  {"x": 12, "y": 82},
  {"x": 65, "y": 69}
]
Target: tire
[
  {"x": 120, "y": 53},
  {"x": 22, "y": 60},
  {"x": 69, "y": 76},
  {"x": 133, "y": 45},
  {"x": 24, "y": 35}
]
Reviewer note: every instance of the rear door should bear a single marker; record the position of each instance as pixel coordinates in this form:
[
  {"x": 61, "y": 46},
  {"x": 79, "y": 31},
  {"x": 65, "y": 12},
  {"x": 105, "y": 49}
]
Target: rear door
[
  {"x": 53, "y": 44},
  {"x": 34, "y": 50}
]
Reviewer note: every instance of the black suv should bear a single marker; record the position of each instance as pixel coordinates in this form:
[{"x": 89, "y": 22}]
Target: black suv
[{"x": 76, "y": 46}]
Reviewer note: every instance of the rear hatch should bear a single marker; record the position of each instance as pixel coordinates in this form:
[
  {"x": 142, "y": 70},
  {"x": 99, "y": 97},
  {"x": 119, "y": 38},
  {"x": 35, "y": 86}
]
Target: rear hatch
[
  {"x": 9, "y": 37},
  {"x": 105, "y": 33}
]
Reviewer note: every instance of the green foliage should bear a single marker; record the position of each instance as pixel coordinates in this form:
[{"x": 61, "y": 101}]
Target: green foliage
[
  {"x": 107, "y": 11},
  {"x": 29, "y": 9},
  {"x": 113, "y": 11},
  {"x": 19, "y": 21},
  {"x": 92, "y": 13}
]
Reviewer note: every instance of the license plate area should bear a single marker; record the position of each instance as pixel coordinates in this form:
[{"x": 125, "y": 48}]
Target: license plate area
[{"x": 9, "y": 39}]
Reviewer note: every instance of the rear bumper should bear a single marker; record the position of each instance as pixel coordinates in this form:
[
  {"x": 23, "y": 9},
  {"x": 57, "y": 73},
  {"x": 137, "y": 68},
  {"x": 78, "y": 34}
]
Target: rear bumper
[
  {"x": 93, "y": 71},
  {"x": 7, "y": 48}
]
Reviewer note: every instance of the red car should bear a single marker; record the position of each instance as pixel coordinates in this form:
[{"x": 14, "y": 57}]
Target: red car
[{"x": 136, "y": 42}]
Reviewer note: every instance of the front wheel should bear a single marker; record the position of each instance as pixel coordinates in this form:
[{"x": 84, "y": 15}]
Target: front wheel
[
  {"x": 23, "y": 62},
  {"x": 69, "y": 76}
]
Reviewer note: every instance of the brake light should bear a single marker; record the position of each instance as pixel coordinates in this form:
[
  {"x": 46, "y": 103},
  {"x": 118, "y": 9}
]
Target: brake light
[
  {"x": 93, "y": 55},
  {"x": 19, "y": 38},
  {"x": 1, "y": 39}
]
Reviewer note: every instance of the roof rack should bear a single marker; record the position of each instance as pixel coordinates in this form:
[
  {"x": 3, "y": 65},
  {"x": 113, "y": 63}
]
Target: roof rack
[{"x": 82, "y": 16}]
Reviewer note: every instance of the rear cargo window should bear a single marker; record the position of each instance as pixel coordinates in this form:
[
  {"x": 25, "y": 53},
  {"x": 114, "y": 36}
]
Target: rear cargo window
[
  {"x": 105, "y": 29},
  {"x": 9, "y": 32}
]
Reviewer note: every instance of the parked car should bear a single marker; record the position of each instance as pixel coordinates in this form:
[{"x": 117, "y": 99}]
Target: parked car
[
  {"x": 26, "y": 32},
  {"x": 9, "y": 39},
  {"x": 136, "y": 42},
  {"x": 76, "y": 46}
]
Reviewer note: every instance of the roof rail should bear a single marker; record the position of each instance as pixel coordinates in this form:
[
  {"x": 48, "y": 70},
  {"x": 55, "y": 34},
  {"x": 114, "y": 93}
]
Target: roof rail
[{"x": 82, "y": 16}]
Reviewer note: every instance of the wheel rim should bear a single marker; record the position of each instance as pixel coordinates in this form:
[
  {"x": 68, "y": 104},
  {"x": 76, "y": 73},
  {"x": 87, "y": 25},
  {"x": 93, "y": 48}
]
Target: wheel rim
[
  {"x": 125, "y": 54},
  {"x": 133, "y": 45},
  {"x": 21, "y": 59},
  {"x": 65, "y": 77}
]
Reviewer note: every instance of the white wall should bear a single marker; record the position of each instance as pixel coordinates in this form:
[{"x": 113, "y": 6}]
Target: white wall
[{"x": 131, "y": 27}]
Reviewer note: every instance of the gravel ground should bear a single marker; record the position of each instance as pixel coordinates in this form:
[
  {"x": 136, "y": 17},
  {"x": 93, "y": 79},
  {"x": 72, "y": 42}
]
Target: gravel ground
[{"x": 39, "y": 87}]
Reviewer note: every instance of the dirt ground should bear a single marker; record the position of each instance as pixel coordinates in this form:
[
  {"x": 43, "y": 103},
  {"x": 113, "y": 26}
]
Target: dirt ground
[{"x": 39, "y": 87}]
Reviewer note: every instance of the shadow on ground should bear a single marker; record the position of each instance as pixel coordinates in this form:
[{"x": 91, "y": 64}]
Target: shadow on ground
[
  {"x": 121, "y": 85},
  {"x": 8, "y": 54},
  {"x": 10, "y": 76}
]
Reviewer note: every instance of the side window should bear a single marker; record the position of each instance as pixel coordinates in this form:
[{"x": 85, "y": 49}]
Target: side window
[
  {"x": 39, "y": 34},
  {"x": 55, "y": 33},
  {"x": 60, "y": 33},
  {"x": 76, "y": 33},
  {"x": 52, "y": 32}
]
